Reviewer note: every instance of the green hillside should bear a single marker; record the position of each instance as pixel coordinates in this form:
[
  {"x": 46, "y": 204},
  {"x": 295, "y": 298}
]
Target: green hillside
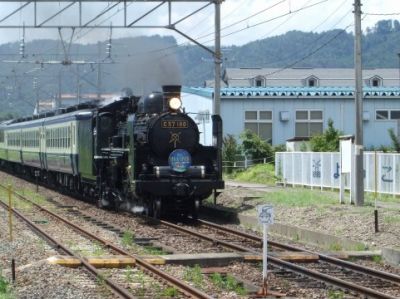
[{"x": 142, "y": 66}]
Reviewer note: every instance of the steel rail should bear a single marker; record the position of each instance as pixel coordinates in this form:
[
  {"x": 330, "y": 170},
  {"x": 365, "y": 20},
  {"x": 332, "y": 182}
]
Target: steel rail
[
  {"x": 181, "y": 285},
  {"x": 295, "y": 268},
  {"x": 121, "y": 291},
  {"x": 372, "y": 272},
  {"x": 207, "y": 238}
]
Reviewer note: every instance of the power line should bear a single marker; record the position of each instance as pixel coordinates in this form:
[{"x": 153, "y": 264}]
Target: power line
[
  {"x": 383, "y": 14},
  {"x": 231, "y": 33},
  {"x": 275, "y": 18},
  {"x": 321, "y": 36},
  {"x": 314, "y": 51}
]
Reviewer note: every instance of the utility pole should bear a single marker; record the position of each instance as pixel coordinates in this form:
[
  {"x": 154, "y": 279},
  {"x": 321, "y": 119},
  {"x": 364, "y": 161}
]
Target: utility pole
[
  {"x": 58, "y": 101},
  {"x": 217, "y": 59},
  {"x": 98, "y": 72},
  {"x": 78, "y": 85},
  {"x": 359, "y": 168},
  {"x": 398, "y": 54},
  {"x": 36, "y": 89}
]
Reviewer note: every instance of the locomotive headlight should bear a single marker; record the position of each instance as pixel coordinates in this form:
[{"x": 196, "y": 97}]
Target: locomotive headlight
[{"x": 174, "y": 103}]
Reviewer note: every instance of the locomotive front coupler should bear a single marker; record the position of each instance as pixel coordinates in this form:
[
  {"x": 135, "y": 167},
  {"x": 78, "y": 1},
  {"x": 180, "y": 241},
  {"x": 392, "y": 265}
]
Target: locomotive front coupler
[{"x": 181, "y": 189}]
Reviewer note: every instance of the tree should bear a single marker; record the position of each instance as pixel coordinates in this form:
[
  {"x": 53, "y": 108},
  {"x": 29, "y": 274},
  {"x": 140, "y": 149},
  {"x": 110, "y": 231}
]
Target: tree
[
  {"x": 395, "y": 140},
  {"x": 229, "y": 151},
  {"x": 328, "y": 141},
  {"x": 384, "y": 27},
  {"x": 253, "y": 146}
]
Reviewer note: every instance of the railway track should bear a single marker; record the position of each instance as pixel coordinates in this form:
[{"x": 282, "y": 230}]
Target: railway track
[
  {"x": 356, "y": 279},
  {"x": 330, "y": 270},
  {"x": 184, "y": 289}
]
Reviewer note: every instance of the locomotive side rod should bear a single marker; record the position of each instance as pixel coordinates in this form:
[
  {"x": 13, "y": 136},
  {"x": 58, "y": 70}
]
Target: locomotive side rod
[{"x": 181, "y": 285}]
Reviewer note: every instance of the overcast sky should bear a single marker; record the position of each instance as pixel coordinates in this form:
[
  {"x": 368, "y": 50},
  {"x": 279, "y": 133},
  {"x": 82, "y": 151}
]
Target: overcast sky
[{"x": 256, "y": 19}]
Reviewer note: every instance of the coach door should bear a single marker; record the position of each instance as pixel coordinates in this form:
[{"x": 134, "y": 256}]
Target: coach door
[
  {"x": 42, "y": 147},
  {"x": 73, "y": 147}
]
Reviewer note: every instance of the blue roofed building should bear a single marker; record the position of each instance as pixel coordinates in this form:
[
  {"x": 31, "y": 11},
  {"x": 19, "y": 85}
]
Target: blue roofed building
[{"x": 282, "y": 104}]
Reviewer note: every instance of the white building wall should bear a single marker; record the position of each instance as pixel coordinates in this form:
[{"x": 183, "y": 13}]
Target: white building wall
[{"x": 339, "y": 109}]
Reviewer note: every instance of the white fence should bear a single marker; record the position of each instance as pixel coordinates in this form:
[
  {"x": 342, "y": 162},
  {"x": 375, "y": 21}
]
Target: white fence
[{"x": 323, "y": 170}]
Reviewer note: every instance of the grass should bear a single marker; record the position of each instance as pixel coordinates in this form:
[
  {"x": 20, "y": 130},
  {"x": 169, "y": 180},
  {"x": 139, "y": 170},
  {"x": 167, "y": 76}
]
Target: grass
[
  {"x": 227, "y": 282},
  {"x": 260, "y": 173},
  {"x": 170, "y": 292},
  {"x": 335, "y": 247},
  {"x": 299, "y": 197},
  {"x": 151, "y": 250},
  {"x": 127, "y": 238},
  {"x": 98, "y": 250},
  {"x": 391, "y": 219},
  {"x": 194, "y": 275},
  {"x": 377, "y": 259},
  {"x": 360, "y": 247},
  {"x": 335, "y": 294},
  {"x": 128, "y": 274},
  {"x": 4, "y": 286}
]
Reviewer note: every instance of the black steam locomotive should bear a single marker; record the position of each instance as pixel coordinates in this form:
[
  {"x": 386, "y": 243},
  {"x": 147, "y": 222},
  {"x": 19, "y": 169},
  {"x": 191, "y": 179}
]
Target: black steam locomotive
[{"x": 131, "y": 153}]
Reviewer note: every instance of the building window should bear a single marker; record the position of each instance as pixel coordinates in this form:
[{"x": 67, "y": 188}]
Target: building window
[
  {"x": 260, "y": 123},
  {"x": 387, "y": 114},
  {"x": 259, "y": 81},
  {"x": 311, "y": 81},
  {"x": 376, "y": 81},
  {"x": 308, "y": 122}
]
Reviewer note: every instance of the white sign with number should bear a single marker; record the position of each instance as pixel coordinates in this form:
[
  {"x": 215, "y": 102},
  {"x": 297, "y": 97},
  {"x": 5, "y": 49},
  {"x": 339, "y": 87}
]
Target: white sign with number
[{"x": 265, "y": 214}]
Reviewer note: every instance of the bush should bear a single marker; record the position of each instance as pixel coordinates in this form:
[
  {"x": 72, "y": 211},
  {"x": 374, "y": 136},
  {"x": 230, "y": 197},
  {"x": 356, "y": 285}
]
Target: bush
[
  {"x": 328, "y": 141},
  {"x": 395, "y": 140},
  {"x": 230, "y": 149},
  {"x": 254, "y": 147}
]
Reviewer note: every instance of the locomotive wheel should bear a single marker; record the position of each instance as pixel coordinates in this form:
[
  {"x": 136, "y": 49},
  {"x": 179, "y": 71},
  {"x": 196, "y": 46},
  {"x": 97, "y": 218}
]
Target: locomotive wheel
[
  {"x": 157, "y": 209},
  {"x": 195, "y": 209},
  {"x": 148, "y": 209}
]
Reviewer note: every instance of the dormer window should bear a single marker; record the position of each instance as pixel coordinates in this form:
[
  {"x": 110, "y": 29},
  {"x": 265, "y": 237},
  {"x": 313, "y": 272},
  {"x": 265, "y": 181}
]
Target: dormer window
[
  {"x": 312, "y": 81},
  {"x": 259, "y": 81},
  {"x": 376, "y": 81}
]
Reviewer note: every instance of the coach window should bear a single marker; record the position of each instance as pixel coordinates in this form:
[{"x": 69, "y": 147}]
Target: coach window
[
  {"x": 308, "y": 122},
  {"x": 260, "y": 123},
  {"x": 2, "y": 136}
]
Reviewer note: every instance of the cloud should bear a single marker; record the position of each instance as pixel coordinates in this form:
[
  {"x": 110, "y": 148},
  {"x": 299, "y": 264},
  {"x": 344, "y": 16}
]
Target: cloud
[{"x": 328, "y": 15}]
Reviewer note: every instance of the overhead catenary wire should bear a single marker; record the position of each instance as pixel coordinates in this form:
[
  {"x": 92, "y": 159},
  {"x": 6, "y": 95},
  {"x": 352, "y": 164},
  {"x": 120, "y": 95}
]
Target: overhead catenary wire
[
  {"x": 312, "y": 52},
  {"x": 240, "y": 30},
  {"x": 383, "y": 14}
]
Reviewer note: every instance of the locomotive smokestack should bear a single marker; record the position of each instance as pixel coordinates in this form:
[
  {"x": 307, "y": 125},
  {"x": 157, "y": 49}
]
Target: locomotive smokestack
[{"x": 170, "y": 91}]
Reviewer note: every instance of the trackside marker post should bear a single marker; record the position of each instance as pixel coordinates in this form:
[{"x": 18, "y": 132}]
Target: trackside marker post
[
  {"x": 265, "y": 217},
  {"x": 10, "y": 212}
]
